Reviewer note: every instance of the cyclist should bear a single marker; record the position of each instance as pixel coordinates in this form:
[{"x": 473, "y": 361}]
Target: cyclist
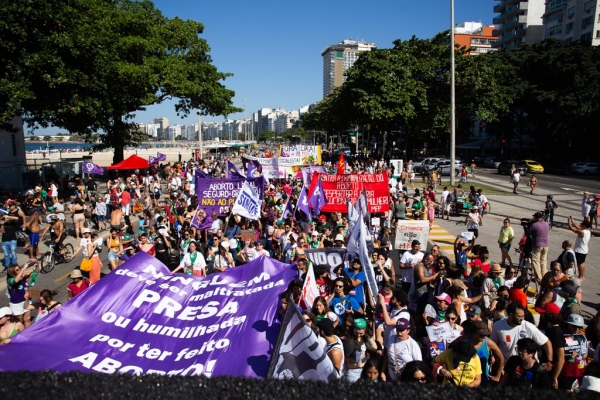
[{"x": 58, "y": 234}]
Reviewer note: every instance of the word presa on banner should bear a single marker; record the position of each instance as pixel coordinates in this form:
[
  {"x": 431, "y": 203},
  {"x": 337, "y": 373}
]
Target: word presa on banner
[{"x": 407, "y": 231}]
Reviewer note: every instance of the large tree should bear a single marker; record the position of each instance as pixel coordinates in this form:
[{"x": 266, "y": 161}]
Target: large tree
[{"x": 89, "y": 65}]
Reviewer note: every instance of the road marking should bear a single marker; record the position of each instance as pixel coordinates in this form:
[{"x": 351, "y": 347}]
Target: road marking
[
  {"x": 62, "y": 278},
  {"x": 573, "y": 190},
  {"x": 443, "y": 239}
]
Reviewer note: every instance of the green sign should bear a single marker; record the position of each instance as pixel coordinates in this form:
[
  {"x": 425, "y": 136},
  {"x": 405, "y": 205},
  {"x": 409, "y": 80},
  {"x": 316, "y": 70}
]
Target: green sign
[{"x": 352, "y": 134}]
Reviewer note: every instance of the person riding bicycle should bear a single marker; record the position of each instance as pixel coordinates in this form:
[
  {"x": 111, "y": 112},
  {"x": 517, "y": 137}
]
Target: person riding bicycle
[
  {"x": 549, "y": 210},
  {"x": 58, "y": 233}
]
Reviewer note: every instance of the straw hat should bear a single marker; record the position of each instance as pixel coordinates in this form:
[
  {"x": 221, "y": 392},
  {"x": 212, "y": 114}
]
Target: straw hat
[
  {"x": 496, "y": 268},
  {"x": 76, "y": 274}
]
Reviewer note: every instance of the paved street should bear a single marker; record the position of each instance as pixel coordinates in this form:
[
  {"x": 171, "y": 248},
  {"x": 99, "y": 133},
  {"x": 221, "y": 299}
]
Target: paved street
[{"x": 567, "y": 194}]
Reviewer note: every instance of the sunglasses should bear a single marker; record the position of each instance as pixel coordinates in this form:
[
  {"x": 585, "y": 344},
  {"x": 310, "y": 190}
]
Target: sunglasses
[
  {"x": 452, "y": 319},
  {"x": 307, "y": 319},
  {"x": 339, "y": 287},
  {"x": 422, "y": 379}
]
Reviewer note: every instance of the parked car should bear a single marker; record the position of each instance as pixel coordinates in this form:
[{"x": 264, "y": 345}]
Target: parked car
[
  {"x": 533, "y": 166},
  {"x": 491, "y": 162},
  {"x": 443, "y": 167},
  {"x": 505, "y": 167},
  {"x": 429, "y": 163},
  {"x": 556, "y": 167},
  {"x": 586, "y": 168}
]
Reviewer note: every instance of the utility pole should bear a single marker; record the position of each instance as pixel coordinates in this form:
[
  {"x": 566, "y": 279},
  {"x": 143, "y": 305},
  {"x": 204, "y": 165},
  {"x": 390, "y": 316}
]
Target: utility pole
[
  {"x": 200, "y": 134},
  {"x": 452, "y": 96},
  {"x": 245, "y": 131}
]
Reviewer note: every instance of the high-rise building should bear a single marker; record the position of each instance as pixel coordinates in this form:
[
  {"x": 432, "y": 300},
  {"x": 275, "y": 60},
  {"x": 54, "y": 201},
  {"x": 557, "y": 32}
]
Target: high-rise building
[
  {"x": 337, "y": 58},
  {"x": 475, "y": 36},
  {"x": 572, "y": 21},
  {"x": 519, "y": 21}
]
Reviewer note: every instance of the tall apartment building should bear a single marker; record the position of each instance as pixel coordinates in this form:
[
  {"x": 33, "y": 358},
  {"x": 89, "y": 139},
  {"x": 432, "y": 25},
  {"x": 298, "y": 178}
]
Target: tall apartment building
[
  {"x": 519, "y": 21},
  {"x": 475, "y": 36},
  {"x": 337, "y": 58},
  {"x": 572, "y": 21}
]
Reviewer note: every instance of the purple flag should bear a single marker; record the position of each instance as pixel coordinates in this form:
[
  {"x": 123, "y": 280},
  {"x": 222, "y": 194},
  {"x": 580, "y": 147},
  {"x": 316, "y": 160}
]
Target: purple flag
[
  {"x": 141, "y": 319},
  {"x": 253, "y": 169},
  {"x": 201, "y": 221},
  {"x": 202, "y": 175},
  {"x": 152, "y": 160},
  {"x": 255, "y": 163},
  {"x": 287, "y": 211},
  {"x": 161, "y": 157},
  {"x": 219, "y": 195},
  {"x": 232, "y": 172},
  {"x": 317, "y": 199},
  {"x": 303, "y": 203},
  {"x": 92, "y": 169}
]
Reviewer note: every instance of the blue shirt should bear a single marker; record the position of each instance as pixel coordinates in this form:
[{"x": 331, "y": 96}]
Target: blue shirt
[
  {"x": 339, "y": 305},
  {"x": 358, "y": 292}
]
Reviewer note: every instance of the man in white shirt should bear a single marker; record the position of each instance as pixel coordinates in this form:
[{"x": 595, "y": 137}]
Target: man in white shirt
[
  {"x": 507, "y": 332},
  {"x": 408, "y": 262},
  {"x": 445, "y": 203}
]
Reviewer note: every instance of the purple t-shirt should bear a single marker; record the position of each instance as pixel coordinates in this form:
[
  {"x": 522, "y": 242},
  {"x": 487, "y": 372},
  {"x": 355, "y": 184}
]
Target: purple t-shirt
[{"x": 539, "y": 234}]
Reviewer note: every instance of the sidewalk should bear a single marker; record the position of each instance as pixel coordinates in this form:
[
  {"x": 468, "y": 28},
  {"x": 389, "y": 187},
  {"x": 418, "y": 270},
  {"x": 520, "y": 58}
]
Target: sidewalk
[{"x": 524, "y": 205}]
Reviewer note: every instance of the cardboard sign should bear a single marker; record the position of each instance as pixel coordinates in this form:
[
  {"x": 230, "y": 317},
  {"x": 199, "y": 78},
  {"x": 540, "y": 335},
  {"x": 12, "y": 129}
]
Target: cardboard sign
[
  {"x": 248, "y": 234},
  {"x": 409, "y": 230},
  {"x": 34, "y": 293},
  {"x": 375, "y": 221},
  {"x": 467, "y": 235},
  {"x": 441, "y": 331}
]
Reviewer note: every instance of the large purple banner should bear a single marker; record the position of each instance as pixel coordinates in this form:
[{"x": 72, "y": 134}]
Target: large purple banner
[
  {"x": 219, "y": 195},
  {"x": 140, "y": 319}
]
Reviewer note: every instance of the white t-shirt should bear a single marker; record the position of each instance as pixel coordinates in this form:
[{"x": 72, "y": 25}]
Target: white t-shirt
[
  {"x": 395, "y": 315},
  {"x": 506, "y": 336},
  {"x": 84, "y": 244},
  {"x": 445, "y": 194},
  {"x": 408, "y": 258},
  {"x": 400, "y": 353},
  {"x": 198, "y": 265}
]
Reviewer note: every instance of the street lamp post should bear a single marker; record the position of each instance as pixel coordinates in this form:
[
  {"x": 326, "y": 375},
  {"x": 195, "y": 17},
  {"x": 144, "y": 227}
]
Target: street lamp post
[
  {"x": 199, "y": 136},
  {"x": 452, "y": 105}
]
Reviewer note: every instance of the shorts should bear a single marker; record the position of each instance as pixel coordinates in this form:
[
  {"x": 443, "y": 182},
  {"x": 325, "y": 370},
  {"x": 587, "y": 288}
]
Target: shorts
[
  {"x": 447, "y": 207},
  {"x": 101, "y": 218},
  {"x": 117, "y": 227},
  {"x": 515, "y": 184},
  {"x": 34, "y": 239},
  {"x": 504, "y": 246},
  {"x": 17, "y": 308},
  {"x": 78, "y": 218},
  {"x": 580, "y": 257},
  {"x": 112, "y": 256}
]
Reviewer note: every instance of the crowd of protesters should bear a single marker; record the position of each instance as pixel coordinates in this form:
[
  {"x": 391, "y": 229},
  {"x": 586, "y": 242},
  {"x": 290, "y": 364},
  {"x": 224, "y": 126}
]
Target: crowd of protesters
[{"x": 493, "y": 340}]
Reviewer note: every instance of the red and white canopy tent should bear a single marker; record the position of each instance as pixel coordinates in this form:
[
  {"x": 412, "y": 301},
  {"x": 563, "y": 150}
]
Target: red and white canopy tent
[{"x": 133, "y": 162}]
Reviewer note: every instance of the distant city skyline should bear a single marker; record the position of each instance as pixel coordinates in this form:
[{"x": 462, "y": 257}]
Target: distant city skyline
[{"x": 276, "y": 60}]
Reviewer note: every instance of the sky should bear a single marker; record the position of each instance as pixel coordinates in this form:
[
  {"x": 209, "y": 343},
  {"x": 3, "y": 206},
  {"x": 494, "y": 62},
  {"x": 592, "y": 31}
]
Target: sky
[{"x": 273, "y": 48}]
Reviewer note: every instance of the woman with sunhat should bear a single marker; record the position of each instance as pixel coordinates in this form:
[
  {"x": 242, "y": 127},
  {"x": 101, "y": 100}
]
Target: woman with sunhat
[
  {"x": 78, "y": 284},
  {"x": 9, "y": 325}
]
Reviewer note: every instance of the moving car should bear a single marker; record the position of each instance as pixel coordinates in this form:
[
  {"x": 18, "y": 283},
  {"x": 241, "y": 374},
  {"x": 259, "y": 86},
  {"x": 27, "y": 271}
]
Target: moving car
[
  {"x": 491, "y": 162},
  {"x": 505, "y": 167},
  {"x": 443, "y": 167},
  {"x": 586, "y": 168},
  {"x": 533, "y": 166}
]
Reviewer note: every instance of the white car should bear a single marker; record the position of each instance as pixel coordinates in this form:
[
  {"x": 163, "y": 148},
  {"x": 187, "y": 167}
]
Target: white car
[{"x": 586, "y": 168}]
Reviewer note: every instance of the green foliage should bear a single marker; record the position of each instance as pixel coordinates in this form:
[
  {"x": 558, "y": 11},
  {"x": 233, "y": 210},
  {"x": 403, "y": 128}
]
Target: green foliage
[
  {"x": 89, "y": 65},
  {"x": 266, "y": 135}
]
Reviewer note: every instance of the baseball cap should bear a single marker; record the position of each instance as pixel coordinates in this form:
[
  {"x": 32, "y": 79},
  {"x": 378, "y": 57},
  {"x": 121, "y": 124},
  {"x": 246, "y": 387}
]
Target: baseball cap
[
  {"x": 322, "y": 218},
  {"x": 444, "y": 297},
  {"x": 474, "y": 310},
  {"x": 575, "y": 320},
  {"x": 315, "y": 233},
  {"x": 10, "y": 201},
  {"x": 360, "y": 323},
  {"x": 549, "y": 308},
  {"x": 403, "y": 324}
]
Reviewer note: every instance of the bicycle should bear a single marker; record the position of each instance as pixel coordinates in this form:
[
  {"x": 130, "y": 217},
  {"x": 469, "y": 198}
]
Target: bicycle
[{"x": 52, "y": 257}]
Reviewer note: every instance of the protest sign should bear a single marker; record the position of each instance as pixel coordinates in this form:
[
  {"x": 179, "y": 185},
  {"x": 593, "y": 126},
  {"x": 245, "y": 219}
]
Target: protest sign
[
  {"x": 409, "y": 230},
  {"x": 441, "y": 331},
  {"x": 140, "y": 319},
  {"x": 310, "y": 290},
  {"x": 308, "y": 154},
  {"x": 248, "y": 234},
  {"x": 219, "y": 195},
  {"x": 397, "y": 164},
  {"x": 339, "y": 188},
  {"x": 330, "y": 257},
  {"x": 280, "y": 167},
  {"x": 375, "y": 221},
  {"x": 467, "y": 235}
]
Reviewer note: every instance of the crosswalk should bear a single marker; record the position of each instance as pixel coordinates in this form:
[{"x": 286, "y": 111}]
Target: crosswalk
[{"x": 445, "y": 240}]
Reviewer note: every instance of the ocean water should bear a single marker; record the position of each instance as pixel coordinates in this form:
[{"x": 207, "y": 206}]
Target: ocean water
[{"x": 55, "y": 145}]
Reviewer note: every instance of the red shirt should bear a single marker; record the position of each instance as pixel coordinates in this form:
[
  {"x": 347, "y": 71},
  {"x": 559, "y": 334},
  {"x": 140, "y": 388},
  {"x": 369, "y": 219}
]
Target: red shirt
[
  {"x": 75, "y": 290},
  {"x": 519, "y": 296},
  {"x": 125, "y": 197}
]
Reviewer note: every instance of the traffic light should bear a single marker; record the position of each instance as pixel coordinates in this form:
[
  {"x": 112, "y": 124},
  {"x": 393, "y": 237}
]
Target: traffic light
[{"x": 481, "y": 126}]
